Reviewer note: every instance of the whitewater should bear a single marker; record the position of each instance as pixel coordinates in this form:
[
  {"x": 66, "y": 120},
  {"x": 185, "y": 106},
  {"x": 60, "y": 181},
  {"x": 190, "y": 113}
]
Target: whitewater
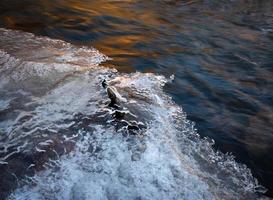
[{"x": 60, "y": 137}]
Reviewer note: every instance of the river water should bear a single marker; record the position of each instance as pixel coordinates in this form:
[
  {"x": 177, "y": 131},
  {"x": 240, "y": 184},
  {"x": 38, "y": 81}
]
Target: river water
[{"x": 181, "y": 69}]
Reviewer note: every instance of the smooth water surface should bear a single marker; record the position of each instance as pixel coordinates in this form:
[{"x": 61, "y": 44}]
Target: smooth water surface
[{"x": 220, "y": 53}]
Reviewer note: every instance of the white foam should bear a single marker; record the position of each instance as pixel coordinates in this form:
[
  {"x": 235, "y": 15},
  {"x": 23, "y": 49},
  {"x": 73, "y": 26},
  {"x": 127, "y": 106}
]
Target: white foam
[
  {"x": 165, "y": 168},
  {"x": 168, "y": 160}
]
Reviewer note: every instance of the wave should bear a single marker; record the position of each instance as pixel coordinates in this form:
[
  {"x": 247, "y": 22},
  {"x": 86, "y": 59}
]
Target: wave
[{"x": 64, "y": 134}]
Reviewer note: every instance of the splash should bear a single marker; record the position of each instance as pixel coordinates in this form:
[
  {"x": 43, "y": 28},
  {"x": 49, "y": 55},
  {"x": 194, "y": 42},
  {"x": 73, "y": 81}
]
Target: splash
[{"x": 61, "y": 138}]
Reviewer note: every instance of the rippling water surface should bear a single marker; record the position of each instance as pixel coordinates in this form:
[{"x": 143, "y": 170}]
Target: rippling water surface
[{"x": 61, "y": 139}]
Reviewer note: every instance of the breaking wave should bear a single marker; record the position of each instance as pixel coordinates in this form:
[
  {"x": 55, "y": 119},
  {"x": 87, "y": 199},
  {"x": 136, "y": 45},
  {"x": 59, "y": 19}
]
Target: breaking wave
[{"x": 73, "y": 129}]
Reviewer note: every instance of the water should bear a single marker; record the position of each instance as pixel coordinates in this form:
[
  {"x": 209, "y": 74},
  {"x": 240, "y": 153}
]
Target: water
[{"x": 220, "y": 53}]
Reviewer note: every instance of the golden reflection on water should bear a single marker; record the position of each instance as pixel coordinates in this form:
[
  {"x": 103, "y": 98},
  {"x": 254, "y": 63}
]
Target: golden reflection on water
[
  {"x": 120, "y": 47},
  {"x": 158, "y": 37},
  {"x": 79, "y": 17},
  {"x": 83, "y": 15}
]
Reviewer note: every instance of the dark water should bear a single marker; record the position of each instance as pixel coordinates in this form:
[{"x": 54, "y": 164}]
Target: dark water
[{"x": 220, "y": 52}]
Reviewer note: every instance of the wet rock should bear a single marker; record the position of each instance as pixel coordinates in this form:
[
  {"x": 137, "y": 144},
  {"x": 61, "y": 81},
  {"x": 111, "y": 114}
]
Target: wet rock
[
  {"x": 119, "y": 114},
  {"x": 133, "y": 127},
  {"x": 104, "y": 83}
]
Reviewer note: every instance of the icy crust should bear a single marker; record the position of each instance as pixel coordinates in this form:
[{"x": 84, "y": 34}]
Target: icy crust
[{"x": 60, "y": 137}]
